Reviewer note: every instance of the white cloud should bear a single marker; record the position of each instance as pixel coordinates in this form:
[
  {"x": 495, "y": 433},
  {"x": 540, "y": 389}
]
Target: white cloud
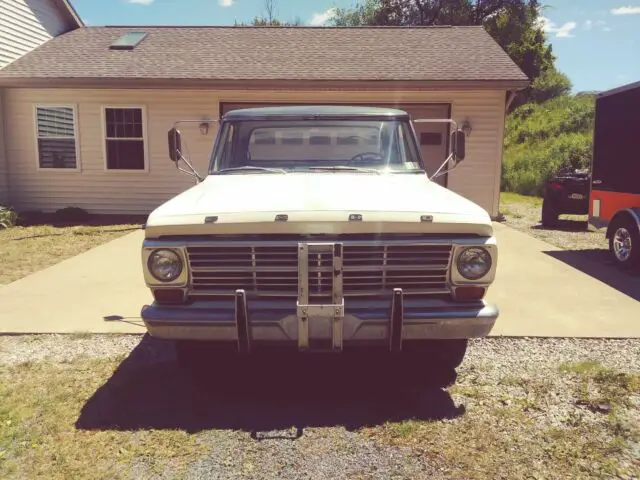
[
  {"x": 225, "y": 3},
  {"x": 562, "y": 31},
  {"x": 629, "y": 10},
  {"x": 319, "y": 19},
  {"x": 141, "y": 2},
  {"x": 601, "y": 24}
]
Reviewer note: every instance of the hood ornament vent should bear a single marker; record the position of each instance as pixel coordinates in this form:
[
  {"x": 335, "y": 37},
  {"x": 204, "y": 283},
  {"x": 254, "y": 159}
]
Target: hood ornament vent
[
  {"x": 355, "y": 217},
  {"x": 212, "y": 219},
  {"x": 282, "y": 217},
  {"x": 426, "y": 218}
]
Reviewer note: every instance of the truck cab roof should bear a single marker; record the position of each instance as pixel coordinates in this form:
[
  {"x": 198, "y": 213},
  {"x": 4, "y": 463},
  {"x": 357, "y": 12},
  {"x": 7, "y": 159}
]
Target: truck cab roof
[{"x": 307, "y": 112}]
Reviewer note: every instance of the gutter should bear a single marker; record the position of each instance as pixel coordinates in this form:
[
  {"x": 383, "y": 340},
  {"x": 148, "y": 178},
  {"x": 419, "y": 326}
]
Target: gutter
[{"x": 250, "y": 84}]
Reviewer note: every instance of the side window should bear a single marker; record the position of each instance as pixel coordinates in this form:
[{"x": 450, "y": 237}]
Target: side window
[
  {"x": 124, "y": 138},
  {"x": 56, "y": 137}
]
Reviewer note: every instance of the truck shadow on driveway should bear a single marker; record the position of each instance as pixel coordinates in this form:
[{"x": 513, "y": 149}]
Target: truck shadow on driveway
[
  {"x": 596, "y": 263},
  {"x": 148, "y": 391}
]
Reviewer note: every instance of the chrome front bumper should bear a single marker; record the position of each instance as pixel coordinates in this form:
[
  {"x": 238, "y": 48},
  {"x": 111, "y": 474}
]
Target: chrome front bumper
[{"x": 365, "y": 322}]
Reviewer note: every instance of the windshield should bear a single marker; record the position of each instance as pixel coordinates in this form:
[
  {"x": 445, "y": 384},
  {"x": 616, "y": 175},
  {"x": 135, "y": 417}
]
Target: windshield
[{"x": 310, "y": 145}]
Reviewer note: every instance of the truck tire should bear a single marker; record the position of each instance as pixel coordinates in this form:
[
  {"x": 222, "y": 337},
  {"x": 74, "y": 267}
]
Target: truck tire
[
  {"x": 624, "y": 244},
  {"x": 549, "y": 214}
]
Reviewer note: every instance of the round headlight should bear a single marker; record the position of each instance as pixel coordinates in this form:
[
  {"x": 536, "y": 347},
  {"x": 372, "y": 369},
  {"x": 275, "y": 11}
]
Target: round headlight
[
  {"x": 165, "y": 265},
  {"x": 474, "y": 263}
]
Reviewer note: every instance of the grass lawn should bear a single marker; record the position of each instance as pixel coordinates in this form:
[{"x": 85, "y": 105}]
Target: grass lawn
[
  {"x": 508, "y": 198},
  {"x": 519, "y": 438},
  {"x": 27, "y": 249},
  {"x": 92, "y": 418},
  {"x": 39, "y": 405}
]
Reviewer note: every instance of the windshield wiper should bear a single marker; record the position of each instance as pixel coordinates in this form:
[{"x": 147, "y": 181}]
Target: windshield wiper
[
  {"x": 249, "y": 168},
  {"x": 345, "y": 169},
  {"x": 415, "y": 170}
]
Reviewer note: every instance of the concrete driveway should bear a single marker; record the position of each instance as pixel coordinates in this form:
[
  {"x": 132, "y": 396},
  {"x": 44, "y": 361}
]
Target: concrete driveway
[{"x": 540, "y": 290}]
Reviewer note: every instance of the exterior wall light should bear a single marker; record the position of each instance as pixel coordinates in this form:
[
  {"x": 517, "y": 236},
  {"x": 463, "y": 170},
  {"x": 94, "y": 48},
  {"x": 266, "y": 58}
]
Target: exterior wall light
[
  {"x": 466, "y": 128},
  {"x": 204, "y": 128}
]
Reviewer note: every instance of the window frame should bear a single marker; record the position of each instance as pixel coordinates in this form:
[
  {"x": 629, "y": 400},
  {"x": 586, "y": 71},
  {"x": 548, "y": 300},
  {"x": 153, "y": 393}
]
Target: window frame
[
  {"x": 76, "y": 137},
  {"x": 145, "y": 137}
]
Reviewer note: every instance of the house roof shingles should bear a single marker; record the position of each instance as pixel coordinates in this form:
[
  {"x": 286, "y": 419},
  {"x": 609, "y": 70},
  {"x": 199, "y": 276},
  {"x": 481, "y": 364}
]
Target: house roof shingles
[{"x": 423, "y": 54}]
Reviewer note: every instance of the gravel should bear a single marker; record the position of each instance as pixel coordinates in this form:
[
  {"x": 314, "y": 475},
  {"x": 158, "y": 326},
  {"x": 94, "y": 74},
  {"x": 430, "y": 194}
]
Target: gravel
[
  {"x": 498, "y": 355},
  {"x": 497, "y": 371},
  {"x": 572, "y": 232}
]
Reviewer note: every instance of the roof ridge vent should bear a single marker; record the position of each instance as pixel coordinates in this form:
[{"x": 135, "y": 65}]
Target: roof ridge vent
[{"x": 128, "y": 41}]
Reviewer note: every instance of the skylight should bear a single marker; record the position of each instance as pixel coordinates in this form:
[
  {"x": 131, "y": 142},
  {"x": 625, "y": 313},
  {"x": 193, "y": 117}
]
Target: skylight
[{"x": 128, "y": 41}]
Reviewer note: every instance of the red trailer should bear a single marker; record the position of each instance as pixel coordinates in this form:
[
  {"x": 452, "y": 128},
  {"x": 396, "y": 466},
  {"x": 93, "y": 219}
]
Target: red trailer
[{"x": 615, "y": 173}]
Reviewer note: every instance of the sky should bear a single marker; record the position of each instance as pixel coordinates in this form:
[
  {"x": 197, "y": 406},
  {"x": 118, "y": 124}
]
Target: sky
[{"x": 596, "y": 42}]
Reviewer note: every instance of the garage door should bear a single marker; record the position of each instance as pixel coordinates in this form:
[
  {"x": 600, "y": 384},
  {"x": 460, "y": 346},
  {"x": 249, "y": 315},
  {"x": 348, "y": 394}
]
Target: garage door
[{"x": 433, "y": 137}]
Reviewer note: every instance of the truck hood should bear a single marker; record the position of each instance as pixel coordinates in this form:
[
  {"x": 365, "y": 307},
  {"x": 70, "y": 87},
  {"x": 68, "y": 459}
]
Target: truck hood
[{"x": 318, "y": 203}]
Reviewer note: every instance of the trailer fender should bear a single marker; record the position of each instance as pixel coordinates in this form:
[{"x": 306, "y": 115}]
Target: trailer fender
[{"x": 633, "y": 213}]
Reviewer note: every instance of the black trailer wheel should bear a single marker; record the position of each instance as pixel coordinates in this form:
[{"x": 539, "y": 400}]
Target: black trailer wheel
[
  {"x": 549, "y": 213},
  {"x": 624, "y": 243}
]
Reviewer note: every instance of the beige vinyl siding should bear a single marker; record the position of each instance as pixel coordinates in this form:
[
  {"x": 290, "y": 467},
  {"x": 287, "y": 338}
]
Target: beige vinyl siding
[
  {"x": 26, "y": 24},
  {"x": 101, "y": 191},
  {"x": 4, "y": 180}
]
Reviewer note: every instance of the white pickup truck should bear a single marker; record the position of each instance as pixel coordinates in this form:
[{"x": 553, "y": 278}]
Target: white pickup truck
[{"x": 317, "y": 228}]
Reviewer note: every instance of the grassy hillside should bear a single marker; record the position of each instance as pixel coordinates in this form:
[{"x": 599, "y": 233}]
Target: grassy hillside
[{"x": 540, "y": 138}]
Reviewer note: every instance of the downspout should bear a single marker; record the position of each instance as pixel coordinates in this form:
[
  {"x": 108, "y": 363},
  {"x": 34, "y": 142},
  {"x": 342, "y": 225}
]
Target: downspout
[
  {"x": 510, "y": 98},
  {"x": 4, "y": 162}
]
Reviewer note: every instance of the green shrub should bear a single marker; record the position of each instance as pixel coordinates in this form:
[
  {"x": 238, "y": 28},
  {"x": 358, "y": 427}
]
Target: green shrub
[
  {"x": 540, "y": 138},
  {"x": 8, "y": 217}
]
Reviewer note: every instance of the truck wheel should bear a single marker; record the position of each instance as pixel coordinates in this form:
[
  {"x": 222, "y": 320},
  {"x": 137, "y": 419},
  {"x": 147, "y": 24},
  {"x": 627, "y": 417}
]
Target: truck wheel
[
  {"x": 624, "y": 244},
  {"x": 549, "y": 214}
]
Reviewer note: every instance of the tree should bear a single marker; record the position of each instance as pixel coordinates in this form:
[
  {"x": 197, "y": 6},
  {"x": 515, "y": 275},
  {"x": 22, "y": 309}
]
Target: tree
[
  {"x": 270, "y": 9},
  {"x": 514, "y": 25},
  {"x": 269, "y": 18}
]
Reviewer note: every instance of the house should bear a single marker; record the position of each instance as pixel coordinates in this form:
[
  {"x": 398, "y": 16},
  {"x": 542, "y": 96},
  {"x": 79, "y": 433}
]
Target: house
[
  {"x": 87, "y": 113},
  {"x": 25, "y": 25}
]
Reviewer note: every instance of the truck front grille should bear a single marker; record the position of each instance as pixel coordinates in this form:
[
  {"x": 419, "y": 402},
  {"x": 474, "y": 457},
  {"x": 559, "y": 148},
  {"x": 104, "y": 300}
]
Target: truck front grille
[{"x": 273, "y": 270}]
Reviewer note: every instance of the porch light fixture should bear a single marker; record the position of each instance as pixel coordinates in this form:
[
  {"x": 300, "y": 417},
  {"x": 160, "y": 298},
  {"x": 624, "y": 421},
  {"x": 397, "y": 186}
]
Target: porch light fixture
[
  {"x": 204, "y": 128},
  {"x": 466, "y": 128}
]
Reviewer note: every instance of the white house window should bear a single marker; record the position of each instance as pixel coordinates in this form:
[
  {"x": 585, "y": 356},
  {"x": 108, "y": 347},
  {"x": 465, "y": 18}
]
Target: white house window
[
  {"x": 124, "y": 138},
  {"x": 56, "y": 132}
]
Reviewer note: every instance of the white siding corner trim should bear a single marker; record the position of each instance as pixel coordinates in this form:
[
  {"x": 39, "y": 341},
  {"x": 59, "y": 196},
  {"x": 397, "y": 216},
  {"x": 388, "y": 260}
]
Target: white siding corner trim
[
  {"x": 76, "y": 137},
  {"x": 145, "y": 140}
]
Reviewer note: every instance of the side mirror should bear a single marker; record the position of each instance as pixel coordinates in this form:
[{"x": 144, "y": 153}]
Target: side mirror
[
  {"x": 175, "y": 145},
  {"x": 458, "y": 145}
]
